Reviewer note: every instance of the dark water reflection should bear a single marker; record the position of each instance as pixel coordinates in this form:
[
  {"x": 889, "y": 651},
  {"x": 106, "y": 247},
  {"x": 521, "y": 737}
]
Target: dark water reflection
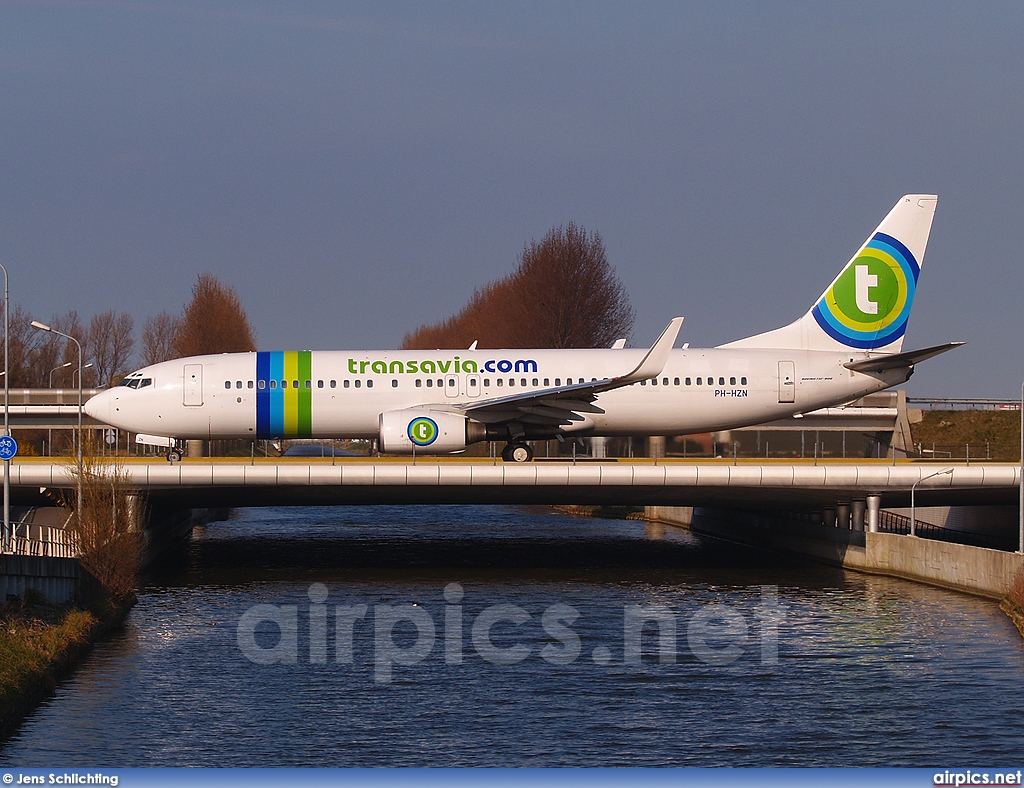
[{"x": 869, "y": 671}]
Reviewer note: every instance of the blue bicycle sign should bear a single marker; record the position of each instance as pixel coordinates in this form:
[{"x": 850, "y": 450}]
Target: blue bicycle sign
[{"x": 8, "y": 447}]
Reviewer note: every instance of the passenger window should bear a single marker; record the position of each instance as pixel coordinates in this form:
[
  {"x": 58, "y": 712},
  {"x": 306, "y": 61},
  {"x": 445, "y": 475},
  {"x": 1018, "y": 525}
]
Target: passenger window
[
  {"x": 664, "y": 381},
  {"x": 419, "y": 383},
  {"x": 319, "y": 384},
  {"x": 676, "y": 382},
  {"x": 295, "y": 384},
  {"x": 284, "y": 384},
  {"x": 546, "y": 382},
  {"x": 249, "y": 384},
  {"x": 334, "y": 384},
  {"x": 743, "y": 381},
  {"x": 512, "y": 381},
  {"x": 227, "y": 384},
  {"x": 358, "y": 383},
  {"x": 345, "y": 384},
  {"x": 732, "y": 381},
  {"x": 500, "y": 382},
  {"x": 535, "y": 382},
  {"x": 394, "y": 384},
  {"x": 273, "y": 384},
  {"x": 487, "y": 382},
  {"x": 451, "y": 381},
  {"x": 687, "y": 381},
  {"x": 558, "y": 381},
  {"x": 309, "y": 384},
  {"x": 238, "y": 384},
  {"x": 369, "y": 384},
  {"x": 698, "y": 381},
  {"x": 261, "y": 384},
  {"x": 440, "y": 383},
  {"x": 721, "y": 381},
  {"x": 643, "y": 382},
  {"x": 523, "y": 382},
  {"x": 430, "y": 383}
]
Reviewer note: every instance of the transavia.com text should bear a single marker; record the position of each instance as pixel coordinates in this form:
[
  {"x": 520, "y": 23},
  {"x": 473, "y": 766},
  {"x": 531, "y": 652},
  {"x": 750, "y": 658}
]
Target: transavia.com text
[{"x": 406, "y": 634}]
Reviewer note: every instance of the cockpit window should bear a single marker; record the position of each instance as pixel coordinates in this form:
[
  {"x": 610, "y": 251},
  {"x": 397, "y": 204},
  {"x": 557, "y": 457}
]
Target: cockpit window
[{"x": 136, "y": 382}]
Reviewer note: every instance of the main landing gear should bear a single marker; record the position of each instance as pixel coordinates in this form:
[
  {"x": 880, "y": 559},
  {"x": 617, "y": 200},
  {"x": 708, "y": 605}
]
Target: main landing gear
[{"x": 517, "y": 452}]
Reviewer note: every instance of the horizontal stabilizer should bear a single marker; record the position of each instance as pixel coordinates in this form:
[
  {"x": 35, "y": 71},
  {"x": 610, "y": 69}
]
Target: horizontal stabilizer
[{"x": 899, "y": 360}]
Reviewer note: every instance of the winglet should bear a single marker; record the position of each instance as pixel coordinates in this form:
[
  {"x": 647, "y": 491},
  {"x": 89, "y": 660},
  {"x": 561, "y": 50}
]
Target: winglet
[{"x": 654, "y": 362}]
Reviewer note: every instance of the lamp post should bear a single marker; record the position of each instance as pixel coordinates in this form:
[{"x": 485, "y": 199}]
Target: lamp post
[
  {"x": 61, "y": 366},
  {"x": 913, "y": 487},
  {"x": 7, "y": 535},
  {"x": 43, "y": 327},
  {"x": 79, "y": 372},
  {"x": 49, "y": 432}
]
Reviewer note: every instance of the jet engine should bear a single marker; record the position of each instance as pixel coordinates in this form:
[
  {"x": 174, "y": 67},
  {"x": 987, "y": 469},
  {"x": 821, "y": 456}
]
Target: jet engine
[{"x": 427, "y": 431}]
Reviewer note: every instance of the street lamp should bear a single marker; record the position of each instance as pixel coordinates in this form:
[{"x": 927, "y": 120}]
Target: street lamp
[
  {"x": 62, "y": 366},
  {"x": 79, "y": 372},
  {"x": 7, "y": 419},
  {"x": 49, "y": 432},
  {"x": 43, "y": 327},
  {"x": 913, "y": 487}
]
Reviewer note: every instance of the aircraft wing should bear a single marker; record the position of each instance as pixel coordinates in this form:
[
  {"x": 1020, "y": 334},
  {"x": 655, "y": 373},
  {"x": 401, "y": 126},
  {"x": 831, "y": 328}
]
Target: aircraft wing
[
  {"x": 563, "y": 405},
  {"x": 897, "y": 360}
]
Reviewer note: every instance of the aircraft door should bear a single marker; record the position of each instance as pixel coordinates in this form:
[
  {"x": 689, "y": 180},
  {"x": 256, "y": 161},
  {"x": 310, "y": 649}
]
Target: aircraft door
[
  {"x": 192, "y": 392},
  {"x": 451, "y": 385},
  {"x": 472, "y": 385},
  {"x": 787, "y": 381}
]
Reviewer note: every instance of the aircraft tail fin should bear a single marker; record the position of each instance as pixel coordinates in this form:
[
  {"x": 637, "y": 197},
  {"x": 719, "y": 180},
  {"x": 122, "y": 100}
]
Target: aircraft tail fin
[{"x": 868, "y": 304}]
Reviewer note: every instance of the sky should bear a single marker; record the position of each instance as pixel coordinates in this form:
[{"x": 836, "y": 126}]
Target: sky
[{"x": 354, "y": 170}]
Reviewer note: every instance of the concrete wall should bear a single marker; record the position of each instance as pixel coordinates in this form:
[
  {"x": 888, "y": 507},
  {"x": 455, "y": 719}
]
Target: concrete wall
[
  {"x": 54, "y": 578},
  {"x": 975, "y": 570}
]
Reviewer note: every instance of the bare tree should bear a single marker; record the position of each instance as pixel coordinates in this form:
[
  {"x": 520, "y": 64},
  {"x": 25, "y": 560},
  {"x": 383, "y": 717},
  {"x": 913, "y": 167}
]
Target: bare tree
[
  {"x": 568, "y": 293},
  {"x": 158, "y": 336},
  {"x": 111, "y": 342},
  {"x": 54, "y": 351},
  {"x": 214, "y": 321},
  {"x": 563, "y": 294},
  {"x": 24, "y": 345}
]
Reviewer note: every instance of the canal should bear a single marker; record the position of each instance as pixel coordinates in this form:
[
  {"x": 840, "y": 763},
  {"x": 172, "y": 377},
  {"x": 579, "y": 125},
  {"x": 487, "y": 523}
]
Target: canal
[{"x": 493, "y": 636}]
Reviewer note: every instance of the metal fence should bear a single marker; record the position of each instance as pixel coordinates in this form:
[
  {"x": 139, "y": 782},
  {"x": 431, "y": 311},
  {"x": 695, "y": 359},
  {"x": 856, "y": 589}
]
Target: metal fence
[
  {"x": 43, "y": 540},
  {"x": 892, "y": 523}
]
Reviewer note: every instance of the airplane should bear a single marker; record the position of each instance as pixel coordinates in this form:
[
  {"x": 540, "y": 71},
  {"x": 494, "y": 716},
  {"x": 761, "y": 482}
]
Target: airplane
[{"x": 847, "y": 345}]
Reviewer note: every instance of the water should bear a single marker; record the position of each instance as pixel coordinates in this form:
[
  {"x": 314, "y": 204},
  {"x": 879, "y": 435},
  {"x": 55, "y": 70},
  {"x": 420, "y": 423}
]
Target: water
[{"x": 847, "y": 669}]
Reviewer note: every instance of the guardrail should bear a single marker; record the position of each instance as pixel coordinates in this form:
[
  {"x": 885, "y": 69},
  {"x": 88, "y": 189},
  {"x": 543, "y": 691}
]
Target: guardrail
[{"x": 953, "y": 403}]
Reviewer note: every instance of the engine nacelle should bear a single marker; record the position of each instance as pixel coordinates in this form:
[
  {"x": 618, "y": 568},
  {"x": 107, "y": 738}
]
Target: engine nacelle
[{"x": 427, "y": 431}]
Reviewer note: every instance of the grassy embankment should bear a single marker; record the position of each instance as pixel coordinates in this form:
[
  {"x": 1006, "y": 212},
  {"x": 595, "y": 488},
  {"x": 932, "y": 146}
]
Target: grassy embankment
[
  {"x": 40, "y": 643},
  {"x": 994, "y": 433}
]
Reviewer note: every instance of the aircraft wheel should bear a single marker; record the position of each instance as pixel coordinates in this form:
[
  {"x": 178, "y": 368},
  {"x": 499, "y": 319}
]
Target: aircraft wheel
[
  {"x": 517, "y": 452},
  {"x": 174, "y": 455}
]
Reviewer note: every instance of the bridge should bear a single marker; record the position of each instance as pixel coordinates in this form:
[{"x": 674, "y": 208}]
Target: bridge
[{"x": 774, "y": 484}]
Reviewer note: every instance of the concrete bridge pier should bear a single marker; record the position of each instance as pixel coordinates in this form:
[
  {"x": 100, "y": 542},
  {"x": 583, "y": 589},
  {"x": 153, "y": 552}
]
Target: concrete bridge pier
[
  {"x": 874, "y": 504},
  {"x": 843, "y": 515},
  {"x": 857, "y": 514}
]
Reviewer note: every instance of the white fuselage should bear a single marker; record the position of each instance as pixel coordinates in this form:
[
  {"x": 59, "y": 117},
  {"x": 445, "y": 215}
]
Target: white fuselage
[{"x": 328, "y": 394}]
